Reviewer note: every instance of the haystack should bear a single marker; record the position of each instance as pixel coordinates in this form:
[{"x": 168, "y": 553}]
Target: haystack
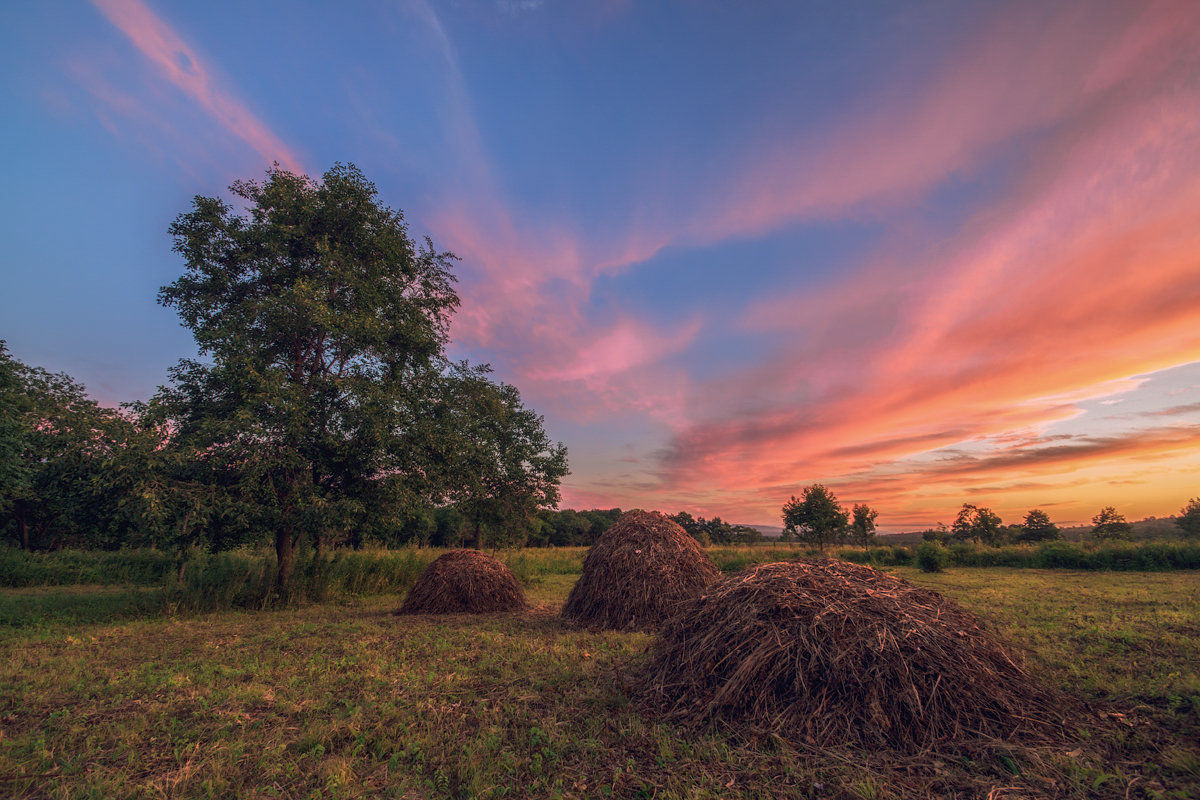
[
  {"x": 636, "y": 574},
  {"x": 826, "y": 653},
  {"x": 464, "y": 581}
]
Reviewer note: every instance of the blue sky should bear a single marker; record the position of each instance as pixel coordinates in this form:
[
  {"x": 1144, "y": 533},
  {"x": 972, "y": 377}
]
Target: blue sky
[{"x": 919, "y": 252}]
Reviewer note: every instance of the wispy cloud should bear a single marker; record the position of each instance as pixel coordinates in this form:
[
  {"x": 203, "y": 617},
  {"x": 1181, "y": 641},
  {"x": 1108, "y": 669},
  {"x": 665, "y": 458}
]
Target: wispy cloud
[
  {"x": 1084, "y": 273},
  {"x": 175, "y": 61}
]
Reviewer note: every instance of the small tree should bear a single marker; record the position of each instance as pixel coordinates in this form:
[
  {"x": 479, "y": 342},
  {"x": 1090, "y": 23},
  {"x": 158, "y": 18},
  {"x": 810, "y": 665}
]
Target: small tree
[
  {"x": 1111, "y": 525},
  {"x": 1188, "y": 520},
  {"x": 1037, "y": 527},
  {"x": 862, "y": 524},
  {"x": 976, "y": 524},
  {"x": 816, "y": 518},
  {"x": 490, "y": 455}
]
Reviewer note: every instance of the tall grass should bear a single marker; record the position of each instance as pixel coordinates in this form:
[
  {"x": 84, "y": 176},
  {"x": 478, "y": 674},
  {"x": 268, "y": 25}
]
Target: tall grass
[
  {"x": 1146, "y": 556},
  {"x": 247, "y": 578},
  {"x": 67, "y": 567}
]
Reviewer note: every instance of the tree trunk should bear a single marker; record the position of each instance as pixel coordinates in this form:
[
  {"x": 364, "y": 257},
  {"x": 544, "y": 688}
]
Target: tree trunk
[
  {"x": 477, "y": 538},
  {"x": 23, "y": 527},
  {"x": 285, "y": 555},
  {"x": 183, "y": 547}
]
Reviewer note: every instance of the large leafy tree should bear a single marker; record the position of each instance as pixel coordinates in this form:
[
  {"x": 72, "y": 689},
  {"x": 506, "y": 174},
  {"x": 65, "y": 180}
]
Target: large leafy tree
[
  {"x": 318, "y": 318},
  {"x": 816, "y": 517}
]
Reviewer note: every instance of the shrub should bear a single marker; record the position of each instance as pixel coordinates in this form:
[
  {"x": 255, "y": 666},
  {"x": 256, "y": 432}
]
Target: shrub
[{"x": 932, "y": 557}]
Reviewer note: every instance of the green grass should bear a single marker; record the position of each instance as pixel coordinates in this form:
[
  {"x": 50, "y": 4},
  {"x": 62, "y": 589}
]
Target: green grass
[{"x": 342, "y": 699}]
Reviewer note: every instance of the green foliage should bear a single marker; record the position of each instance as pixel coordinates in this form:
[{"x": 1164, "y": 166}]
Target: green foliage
[
  {"x": 862, "y": 524},
  {"x": 12, "y": 435},
  {"x": 145, "y": 567},
  {"x": 488, "y": 455},
  {"x": 247, "y": 579},
  {"x": 977, "y": 525},
  {"x": 1188, "y": 520},
  {"x": 932, "y": 557},
  {"x": 60, "y": 456},
  {"x": 716, "y": 531},
  {"x": 319, "y": 317},
  {"x": 1111, "y": 525},
  {"x": 816, "y": 518},
  {"x": 78, "y": 606},
  {"x": 1037, "y": 527},
  {"x": 326, "y": 411},
  {"x": 879, "y": 556}
]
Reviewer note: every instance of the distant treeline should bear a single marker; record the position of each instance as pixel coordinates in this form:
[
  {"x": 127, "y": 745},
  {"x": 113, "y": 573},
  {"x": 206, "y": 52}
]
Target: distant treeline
[
  {"x": 1143, "y": 530},
  {"x": 446, "y": 527}
]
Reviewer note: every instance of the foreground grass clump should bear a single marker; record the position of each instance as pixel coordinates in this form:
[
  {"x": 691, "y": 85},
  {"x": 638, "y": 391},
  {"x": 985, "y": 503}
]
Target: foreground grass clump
[{"x": 343, "y": 700}]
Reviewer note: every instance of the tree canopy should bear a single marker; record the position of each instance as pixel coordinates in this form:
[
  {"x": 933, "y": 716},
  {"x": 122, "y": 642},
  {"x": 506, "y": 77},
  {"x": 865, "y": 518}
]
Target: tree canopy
[
  {"x": 1037, "y": 527},
  {"x": 1188, "y": 520},
  {"x": 324, "y": 400},
  {"x": 1109, "y": 524},
  {"x": 862, "y": 524},
  {"x": 60, "y": 457},
  {"x": 976, "y": 524},
  {"x": 816, "y": 518}
]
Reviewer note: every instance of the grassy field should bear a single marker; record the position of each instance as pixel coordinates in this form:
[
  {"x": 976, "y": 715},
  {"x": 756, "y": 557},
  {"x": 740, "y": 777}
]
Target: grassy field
[{"x": 101, "y": 698}]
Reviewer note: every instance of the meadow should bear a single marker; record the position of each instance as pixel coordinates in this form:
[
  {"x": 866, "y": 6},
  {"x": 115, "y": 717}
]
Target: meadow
[{"x": 118, "y": 691}]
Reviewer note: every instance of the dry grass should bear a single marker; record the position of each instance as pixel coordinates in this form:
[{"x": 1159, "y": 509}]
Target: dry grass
[
  {"x": 637, "y": 573},
  {"x": 829, "y": 653},
  {"x": 464, "y": 581}
]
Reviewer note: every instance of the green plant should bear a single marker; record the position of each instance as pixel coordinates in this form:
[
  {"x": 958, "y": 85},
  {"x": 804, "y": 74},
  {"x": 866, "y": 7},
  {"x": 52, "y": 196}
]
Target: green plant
[{"x": 932, "y": 557}]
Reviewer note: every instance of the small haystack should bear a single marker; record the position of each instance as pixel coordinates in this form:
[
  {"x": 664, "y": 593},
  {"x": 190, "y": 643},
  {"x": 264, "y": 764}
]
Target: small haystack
[
  {"x": 636, "y": 574},
  {"x": 827, "y": 653},
  {"x": 464, "y": 581}
]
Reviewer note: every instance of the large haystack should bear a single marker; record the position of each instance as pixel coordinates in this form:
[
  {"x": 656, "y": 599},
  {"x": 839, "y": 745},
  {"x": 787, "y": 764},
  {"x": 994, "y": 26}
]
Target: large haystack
[
  {"x": 636, "y": 574},
  {"x": 464, "y": 581},
  {"x": 828, "y": 653}
]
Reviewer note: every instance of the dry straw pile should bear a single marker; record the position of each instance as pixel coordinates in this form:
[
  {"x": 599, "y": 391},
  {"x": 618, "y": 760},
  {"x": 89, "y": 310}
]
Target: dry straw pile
[
  {"x": 636, "y": 574},
  {"x": 830, "y": 653},
  {"x": 464, "y": 581}
]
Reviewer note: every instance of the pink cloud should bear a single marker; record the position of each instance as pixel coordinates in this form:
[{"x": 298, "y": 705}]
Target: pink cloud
[
  {"x": 623, "y": 346},
  {"x": 1081, "y": 276},
  {"x": 179, "y": 64},
  {"x": 1085, "y": 274}
]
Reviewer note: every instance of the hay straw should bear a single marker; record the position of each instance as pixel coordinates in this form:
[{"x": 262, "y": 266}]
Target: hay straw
[
  {"x": 464, "y": 581},
  {"x": 637, "y": 573},
  {"x": 830, "y": 653}
]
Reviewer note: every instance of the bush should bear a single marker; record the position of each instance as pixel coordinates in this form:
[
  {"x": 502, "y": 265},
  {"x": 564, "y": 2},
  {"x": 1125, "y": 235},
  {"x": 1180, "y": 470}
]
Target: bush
[
  {"x": 932, "y": 557},
  {"x": 882, "y": 556}
]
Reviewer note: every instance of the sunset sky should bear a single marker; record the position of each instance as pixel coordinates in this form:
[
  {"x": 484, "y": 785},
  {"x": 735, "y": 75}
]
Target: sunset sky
[{"x": 925, "y": 253}]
